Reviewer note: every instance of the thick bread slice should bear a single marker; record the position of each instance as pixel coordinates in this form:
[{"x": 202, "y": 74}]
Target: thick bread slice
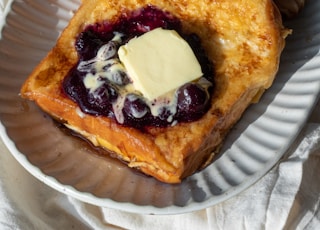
[{"x": 244, "y": 40}]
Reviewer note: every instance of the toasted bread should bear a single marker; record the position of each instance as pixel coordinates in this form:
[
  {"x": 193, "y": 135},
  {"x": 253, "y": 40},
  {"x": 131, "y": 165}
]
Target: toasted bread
[{"x": 243, "y": 39}]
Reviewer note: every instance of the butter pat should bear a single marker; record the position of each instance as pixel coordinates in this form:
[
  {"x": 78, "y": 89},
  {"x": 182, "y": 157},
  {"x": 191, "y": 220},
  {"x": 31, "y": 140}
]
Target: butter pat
[{"x": 159, "y": 61}]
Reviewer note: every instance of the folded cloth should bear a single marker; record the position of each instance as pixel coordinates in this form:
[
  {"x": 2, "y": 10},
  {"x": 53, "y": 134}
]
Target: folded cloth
[
  {"x": 3, "y": 3},
  {"x": 3, "y": 6}
]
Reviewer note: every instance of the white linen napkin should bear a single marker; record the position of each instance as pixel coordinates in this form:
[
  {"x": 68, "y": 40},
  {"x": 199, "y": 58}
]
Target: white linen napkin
[
  {"x": 286, "y": 198},
  {"x": 3, "y": 8},
  {"x": 3, "y": 4}
]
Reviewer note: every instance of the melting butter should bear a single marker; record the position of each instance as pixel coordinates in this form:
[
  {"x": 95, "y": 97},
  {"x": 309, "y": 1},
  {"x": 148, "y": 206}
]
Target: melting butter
[{"x": 158, "y": 62}]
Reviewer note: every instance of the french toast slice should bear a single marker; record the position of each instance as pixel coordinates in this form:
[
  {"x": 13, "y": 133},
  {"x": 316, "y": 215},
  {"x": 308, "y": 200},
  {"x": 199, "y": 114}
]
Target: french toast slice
[{"x": 243, "y": 40}]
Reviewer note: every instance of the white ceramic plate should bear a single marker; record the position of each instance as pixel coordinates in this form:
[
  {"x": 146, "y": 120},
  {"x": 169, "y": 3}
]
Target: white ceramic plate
[{"x": 69, "y": 165}]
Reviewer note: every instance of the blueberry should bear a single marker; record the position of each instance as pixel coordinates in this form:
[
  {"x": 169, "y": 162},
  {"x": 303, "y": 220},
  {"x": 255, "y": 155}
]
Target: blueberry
[
  {"x": 193, "y": 101},
  {"x": 135, "y": 107},
  {"x": 87, "y": 66},
  {"x": 119, "y": 77},
  {"x": 101, "y": 99},
  {"x": 164, "y": 117},
  {"x": 114, "y": 72},
  {"x": 147, "y": 19},
  {"x": 108, "y": 51},
  {"x": 88, "y": 44},
  {"x": 113, "y": 93},
  {"x": 164, "y": 113},
  {"x": 206, "y": 65},
  {"x": 72, "y": 85}
]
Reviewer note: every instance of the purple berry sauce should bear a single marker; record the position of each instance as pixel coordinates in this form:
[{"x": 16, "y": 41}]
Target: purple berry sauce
[{"x": 193, "y": 100}]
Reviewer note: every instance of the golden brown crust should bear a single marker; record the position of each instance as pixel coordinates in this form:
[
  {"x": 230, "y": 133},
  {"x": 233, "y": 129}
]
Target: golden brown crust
[{"x": 244, "y": 39}]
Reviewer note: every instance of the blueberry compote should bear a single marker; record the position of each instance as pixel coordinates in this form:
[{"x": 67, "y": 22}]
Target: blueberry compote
[{"x": 100, "y": 86}]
